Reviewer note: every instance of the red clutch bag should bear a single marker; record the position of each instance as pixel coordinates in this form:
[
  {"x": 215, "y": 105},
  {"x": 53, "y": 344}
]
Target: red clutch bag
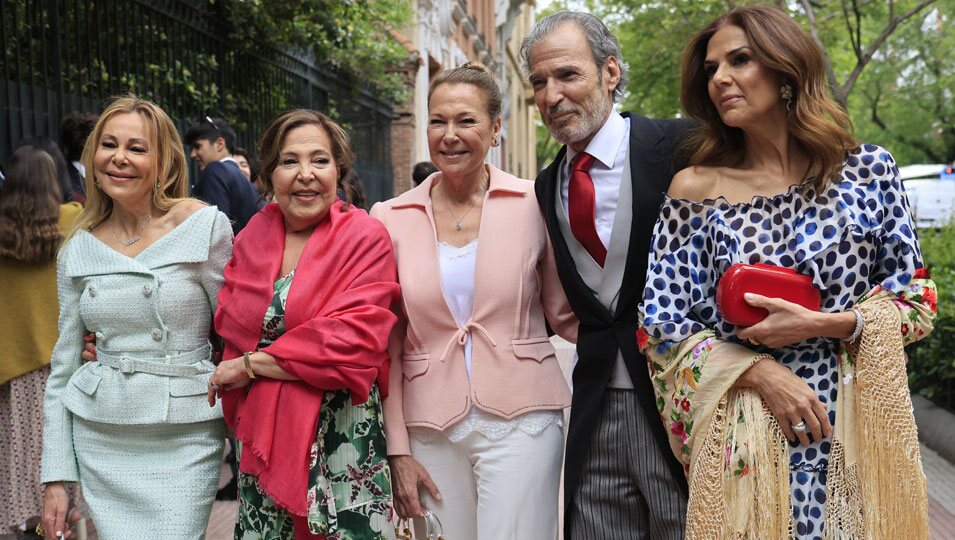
[{"x": 766, "y": 280}]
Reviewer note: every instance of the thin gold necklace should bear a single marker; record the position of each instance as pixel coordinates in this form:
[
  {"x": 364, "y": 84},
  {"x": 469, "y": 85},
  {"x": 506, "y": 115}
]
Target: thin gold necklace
[{"x": 139, "y": 235}]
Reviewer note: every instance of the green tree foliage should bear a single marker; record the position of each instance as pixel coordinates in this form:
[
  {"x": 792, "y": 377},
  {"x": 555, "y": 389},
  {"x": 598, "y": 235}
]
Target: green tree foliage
[
  {"x": 890, "y": 61},
  {"x": 905, "y": 99},
  {"x": 932, "y": 360},
  {"x": 351, "y": 35}
]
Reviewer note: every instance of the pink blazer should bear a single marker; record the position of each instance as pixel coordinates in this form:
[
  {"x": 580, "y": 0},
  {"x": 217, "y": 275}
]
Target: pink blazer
[{"x": 514, "y": 369}]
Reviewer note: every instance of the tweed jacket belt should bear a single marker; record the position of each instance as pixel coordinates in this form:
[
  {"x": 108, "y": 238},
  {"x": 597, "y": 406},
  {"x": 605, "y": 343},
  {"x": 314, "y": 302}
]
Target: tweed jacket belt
[
  {"x": 170, "y": 365},
  {"x": 103, "y": 391}
]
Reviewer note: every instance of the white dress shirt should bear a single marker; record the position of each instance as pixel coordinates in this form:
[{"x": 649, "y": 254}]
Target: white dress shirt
[{"x": 609, "y": 147}]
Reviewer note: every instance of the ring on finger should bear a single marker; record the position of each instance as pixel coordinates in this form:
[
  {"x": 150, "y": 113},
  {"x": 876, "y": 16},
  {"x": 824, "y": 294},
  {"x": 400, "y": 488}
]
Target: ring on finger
[
  {"x": 40, "y": 530},
  {"x": 754, "y": 341},
  {"x": 213, "y": 385},
  {"x": 800, "y": 427}
]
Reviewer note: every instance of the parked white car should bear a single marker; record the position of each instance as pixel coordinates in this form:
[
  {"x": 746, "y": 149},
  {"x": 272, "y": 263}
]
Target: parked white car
[{"x": 931, "y": 192}]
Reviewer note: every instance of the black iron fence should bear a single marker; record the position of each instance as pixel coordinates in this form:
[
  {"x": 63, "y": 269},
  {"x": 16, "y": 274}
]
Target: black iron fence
[{"x": 65, "y": 55}]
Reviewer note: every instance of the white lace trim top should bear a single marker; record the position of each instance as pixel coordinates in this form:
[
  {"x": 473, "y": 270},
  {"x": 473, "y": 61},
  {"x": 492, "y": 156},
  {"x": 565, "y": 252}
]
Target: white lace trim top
[
  {"x": 495, "y": 428},
  {"x": 457, "y": 283}
]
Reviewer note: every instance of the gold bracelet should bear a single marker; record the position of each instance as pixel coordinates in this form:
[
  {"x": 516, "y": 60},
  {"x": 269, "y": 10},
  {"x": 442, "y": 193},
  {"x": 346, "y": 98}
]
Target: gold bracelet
[{"x": 248, "y": 364}]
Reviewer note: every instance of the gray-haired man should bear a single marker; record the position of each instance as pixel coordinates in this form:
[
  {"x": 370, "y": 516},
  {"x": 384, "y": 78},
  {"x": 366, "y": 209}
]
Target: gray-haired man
[{"x": 600, "y": 198}]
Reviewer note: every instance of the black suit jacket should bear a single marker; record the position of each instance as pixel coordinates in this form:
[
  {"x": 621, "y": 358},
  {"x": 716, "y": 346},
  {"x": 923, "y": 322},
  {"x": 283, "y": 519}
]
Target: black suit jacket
[
  {"x": 223, "y": 185},
  {"x": 601, "y": 333}
]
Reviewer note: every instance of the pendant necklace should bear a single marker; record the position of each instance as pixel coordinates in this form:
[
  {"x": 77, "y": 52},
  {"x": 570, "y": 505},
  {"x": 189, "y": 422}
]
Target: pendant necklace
[
  {"x": 130, "y": 241},
  {"x": 457, "y": 222}
]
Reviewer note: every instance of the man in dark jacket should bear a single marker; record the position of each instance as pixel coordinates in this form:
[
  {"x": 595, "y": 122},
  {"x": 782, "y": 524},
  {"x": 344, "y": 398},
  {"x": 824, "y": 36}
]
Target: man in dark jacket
[
  {"x": 221, "y": 182},
  {"x": 600, "y": 199}
]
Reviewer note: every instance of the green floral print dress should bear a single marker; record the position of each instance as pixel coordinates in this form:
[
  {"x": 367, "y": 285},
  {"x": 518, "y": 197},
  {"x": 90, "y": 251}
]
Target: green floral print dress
[{"x": 349, "y": 482}]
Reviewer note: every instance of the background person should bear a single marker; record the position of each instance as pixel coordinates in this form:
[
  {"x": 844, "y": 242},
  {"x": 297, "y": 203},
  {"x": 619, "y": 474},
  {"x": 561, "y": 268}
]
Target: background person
[
  {"x": 49, "y": 146},
  {"x": 221, "y": 182},
  {"x": 74, "y": 130},
  {"x": 475, "y": 414},
  {"x": 245, "y": 162},
  {"x": 32, "y": 224},
  {"x": 252, "y": 168},
  {"x": 141, "y": 271},
  {"x": 352, "y": 190},
  {"x": 776, "y": 178},
  {"x": 305, "y": 316},
  {"x": 421, "y": 171}
]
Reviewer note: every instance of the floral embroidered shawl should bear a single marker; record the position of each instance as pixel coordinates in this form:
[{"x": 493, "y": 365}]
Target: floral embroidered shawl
[{"x": 736, "y": 455}]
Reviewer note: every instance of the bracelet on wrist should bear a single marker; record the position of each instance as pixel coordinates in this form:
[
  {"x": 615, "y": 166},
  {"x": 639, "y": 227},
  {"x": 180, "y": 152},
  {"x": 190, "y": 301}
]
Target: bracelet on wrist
[
  {"x": 857, "y": 331},
  {"x": 248, "y": 364}
]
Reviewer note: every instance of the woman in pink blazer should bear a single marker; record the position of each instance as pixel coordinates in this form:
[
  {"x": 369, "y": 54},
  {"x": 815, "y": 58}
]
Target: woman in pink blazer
[{"x": 475, "y": 410}]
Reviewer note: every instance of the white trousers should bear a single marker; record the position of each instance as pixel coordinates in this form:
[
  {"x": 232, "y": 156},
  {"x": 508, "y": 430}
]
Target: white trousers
[{"x": 493, "y": 490}]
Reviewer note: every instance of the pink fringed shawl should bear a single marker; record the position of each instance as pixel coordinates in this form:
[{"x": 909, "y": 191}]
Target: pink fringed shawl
[{"x": 337, "y": 320}]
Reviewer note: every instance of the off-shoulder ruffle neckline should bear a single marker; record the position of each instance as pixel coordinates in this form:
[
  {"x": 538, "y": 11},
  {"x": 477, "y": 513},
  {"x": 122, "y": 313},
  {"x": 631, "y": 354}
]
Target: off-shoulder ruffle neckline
[{"x": 722, "y": 202}]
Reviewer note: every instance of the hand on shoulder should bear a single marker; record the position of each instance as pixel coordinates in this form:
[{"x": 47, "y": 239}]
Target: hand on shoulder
[{"x": 693, "y": 183}]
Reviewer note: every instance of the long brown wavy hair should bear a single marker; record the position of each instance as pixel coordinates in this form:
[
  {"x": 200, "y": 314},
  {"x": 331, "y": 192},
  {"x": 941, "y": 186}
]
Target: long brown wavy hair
[
  {"x": 273, "y": 139},
  {"x": 818, "y": 126},
  {"x": 171, "y": 175},
  {"x": 30, "y": 208}
]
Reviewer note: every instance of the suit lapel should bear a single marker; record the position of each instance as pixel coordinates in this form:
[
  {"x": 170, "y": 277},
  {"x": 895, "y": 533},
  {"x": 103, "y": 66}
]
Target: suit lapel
[
  {"x": 647, "y": 162},
  {"x": 575, "y": 286}
]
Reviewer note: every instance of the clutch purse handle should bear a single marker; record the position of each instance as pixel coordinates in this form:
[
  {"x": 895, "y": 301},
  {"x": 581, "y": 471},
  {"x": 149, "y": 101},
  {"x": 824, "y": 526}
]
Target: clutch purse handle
[{"x": 432, "y": 526}]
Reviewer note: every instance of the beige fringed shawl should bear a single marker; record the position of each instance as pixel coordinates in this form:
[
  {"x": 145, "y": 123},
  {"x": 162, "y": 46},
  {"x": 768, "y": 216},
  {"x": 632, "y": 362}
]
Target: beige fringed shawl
[{"x": 736, "y": 456}]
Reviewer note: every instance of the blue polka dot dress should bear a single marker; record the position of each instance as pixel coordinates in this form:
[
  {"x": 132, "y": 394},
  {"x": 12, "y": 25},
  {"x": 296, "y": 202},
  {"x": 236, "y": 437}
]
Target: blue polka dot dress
[{"x": 849, "y": 237}]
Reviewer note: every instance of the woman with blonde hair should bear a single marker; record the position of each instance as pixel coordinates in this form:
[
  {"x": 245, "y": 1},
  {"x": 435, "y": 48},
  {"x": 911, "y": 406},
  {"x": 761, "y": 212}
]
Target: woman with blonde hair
[
  {"x": 32, "y": 224},
  {"x": 475, "y": 414},
  {"x": 777, "y": 181},
  {"x": 141, "y": 271}
]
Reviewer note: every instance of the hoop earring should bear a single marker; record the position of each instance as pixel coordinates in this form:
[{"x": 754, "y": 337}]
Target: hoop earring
[{"x": 786, "y": 92}]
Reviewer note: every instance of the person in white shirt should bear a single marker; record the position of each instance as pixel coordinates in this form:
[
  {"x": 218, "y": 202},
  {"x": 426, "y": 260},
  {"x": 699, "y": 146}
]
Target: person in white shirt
[{"x": 600, "y": 199}]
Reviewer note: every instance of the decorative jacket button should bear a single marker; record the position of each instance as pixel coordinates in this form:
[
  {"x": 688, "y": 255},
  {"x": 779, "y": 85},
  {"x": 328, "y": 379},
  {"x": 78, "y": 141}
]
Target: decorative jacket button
[
  {"x": 147, "y": 290},
  {"x": 157, "y": 334},
  {"x": 92, "y": 289}
]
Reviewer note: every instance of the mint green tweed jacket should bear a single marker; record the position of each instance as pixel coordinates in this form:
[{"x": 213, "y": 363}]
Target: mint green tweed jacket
[{"x": 155, "y": 308}]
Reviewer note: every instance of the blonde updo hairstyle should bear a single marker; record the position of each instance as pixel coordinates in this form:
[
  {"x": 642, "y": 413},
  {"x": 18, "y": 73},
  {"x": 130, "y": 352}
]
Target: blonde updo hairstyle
[{"x": 478, "y": 75}]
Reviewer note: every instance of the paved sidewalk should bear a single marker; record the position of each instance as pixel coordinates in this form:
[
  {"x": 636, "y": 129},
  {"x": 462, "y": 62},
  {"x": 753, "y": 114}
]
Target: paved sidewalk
[
  {"x": 941, "y": 490},
  {"x": 940, "y": 474},
  {"x": 941, "y": 493},
  {"x": 222, "y": 520}
]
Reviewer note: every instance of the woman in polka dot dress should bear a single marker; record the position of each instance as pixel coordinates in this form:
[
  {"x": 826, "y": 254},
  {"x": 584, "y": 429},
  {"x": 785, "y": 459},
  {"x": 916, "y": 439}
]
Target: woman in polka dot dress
[{"x": 776, "y": 178}]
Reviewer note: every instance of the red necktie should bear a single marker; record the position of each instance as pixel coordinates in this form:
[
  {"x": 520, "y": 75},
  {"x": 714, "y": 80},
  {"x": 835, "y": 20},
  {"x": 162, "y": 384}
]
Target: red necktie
[{"x": 581, "y": 204}]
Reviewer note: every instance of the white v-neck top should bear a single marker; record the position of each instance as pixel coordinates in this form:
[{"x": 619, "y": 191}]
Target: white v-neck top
[{"x": 457, "y": 282}]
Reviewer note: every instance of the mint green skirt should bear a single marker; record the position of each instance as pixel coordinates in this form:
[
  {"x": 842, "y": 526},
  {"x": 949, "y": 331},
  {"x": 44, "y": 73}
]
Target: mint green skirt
[{"x": 149, "y": 481}]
